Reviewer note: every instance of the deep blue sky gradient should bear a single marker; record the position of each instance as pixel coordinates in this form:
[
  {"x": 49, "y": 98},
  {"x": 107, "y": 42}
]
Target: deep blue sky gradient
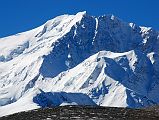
[{"x": 22, "y": 15}]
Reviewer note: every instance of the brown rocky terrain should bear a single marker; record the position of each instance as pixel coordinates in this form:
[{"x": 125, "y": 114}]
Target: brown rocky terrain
[{"x": 86, "y": 113}]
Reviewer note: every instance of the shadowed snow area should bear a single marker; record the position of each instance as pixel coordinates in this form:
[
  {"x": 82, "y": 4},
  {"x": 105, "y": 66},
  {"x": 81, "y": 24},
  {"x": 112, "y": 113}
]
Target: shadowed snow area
[
  {"x": 100, "y": 59},
  {"x": 62, "y": 98}
]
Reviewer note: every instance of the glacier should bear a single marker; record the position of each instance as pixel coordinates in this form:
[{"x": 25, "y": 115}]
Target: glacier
[{"x": 80, "y": 60}]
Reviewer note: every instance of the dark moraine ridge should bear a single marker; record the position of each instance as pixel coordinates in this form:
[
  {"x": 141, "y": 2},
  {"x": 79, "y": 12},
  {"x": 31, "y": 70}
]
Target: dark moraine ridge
[{"x": 85, "y": 113}]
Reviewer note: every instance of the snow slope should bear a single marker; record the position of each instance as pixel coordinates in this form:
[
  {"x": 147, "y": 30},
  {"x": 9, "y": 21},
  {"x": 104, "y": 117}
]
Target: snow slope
[{"x": 101, "y": 59}]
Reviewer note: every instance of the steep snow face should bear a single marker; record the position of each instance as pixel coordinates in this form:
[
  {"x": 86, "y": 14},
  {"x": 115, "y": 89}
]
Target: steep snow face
[
  {"x": 100, "y": 59},
  {"x": 110, "y": 79},
  {"x": 22, "y": 58}
]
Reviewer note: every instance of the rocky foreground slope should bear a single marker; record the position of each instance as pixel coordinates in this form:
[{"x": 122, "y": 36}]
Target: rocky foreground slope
[
  {"x": 85, "y": 113},
  {"x": 79, "y": 60}
]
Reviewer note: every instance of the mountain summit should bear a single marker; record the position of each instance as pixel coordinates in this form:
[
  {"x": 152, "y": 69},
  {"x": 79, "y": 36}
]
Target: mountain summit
[{"x": 79, "y": 60}]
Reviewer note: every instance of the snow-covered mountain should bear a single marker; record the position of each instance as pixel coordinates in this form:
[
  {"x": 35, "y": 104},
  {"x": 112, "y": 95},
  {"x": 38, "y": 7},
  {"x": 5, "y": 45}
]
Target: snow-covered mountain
[{"x": 80, "y": 60}]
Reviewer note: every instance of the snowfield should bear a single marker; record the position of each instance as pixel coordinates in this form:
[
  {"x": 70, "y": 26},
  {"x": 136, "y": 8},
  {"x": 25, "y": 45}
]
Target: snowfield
[{"x": 79, "y": 60}]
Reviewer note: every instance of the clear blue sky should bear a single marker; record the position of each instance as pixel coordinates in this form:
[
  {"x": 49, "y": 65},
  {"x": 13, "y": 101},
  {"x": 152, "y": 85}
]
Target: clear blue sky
[{"x": 21, "y": 15}]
